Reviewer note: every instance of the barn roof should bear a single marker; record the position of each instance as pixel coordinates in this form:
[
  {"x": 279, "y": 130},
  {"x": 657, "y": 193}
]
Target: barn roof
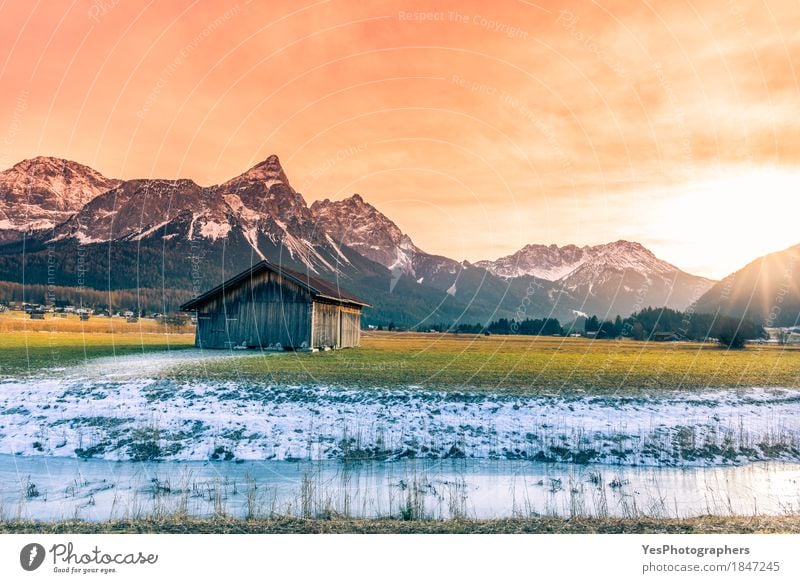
[{"x": 317, "y": 287}]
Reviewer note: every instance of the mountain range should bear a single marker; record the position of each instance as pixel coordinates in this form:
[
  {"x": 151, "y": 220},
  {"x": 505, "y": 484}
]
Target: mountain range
[{"x": 65, "y": 224}]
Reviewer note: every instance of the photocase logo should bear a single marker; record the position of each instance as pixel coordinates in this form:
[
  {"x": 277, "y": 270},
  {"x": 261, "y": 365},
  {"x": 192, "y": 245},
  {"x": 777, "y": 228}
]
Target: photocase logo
[{"x": 31, "y": 556}]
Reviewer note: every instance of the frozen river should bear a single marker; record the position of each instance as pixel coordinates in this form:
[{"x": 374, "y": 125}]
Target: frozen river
[{"x": 49, "y": 488}]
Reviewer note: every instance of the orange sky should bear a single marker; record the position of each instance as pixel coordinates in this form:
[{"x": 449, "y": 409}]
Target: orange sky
[{"x": 478, "y": 127}]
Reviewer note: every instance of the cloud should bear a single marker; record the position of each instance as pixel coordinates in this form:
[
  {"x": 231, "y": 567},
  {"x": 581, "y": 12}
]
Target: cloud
[{"x": 561, "y": 129}]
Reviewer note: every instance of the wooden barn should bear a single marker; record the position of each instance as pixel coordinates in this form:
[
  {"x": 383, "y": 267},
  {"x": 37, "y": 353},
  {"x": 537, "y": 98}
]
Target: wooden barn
[{"x": 270, "y": 306}]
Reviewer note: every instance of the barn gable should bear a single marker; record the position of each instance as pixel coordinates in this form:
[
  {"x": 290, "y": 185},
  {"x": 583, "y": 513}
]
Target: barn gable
[{"x": 268, "y": 306}]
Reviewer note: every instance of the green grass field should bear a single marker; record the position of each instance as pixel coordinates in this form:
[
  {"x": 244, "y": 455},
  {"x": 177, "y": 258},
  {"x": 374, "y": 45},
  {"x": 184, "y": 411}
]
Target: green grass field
[
  {"x": 439, "y": 361},
  {"x": 522, "y": 364}
]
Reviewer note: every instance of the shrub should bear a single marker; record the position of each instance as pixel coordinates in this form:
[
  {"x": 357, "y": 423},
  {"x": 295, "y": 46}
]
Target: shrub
[{"x": 730, "y": 336}]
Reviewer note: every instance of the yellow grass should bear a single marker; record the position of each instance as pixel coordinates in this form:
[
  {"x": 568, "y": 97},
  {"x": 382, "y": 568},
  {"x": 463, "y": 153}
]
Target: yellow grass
[
  {"x": 28, "y": 346},
  {"x": 12, "y": 321}
]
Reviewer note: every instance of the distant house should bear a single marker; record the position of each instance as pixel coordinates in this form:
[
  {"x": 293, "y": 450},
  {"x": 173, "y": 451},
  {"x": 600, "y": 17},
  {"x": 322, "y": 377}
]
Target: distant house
[
  {"x": 665, "y": 337},
  {"x": 270, "y": 306}
]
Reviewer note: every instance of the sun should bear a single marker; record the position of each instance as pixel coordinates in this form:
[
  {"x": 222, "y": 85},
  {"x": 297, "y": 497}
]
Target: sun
[{"x": 716, "y": 226}]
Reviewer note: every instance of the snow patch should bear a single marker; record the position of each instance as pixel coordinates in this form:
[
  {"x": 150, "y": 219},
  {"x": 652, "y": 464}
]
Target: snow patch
[
  {"x": 214, "y": 230},
  {"x": 251, "y": 235},
  {"x": 150, "y": 231},
  {"x": 85, "y": 239},
  {"x": 336, "y": 248},
  {"x": 236, "y": 204}
]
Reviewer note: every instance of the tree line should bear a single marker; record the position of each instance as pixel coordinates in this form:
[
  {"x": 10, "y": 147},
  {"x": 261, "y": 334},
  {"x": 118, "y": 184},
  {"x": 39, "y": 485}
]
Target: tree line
[
  {"x": 527, "y": 327},
  {"x": 647, "y": 324},
  {"x": 136, "y": 300}
]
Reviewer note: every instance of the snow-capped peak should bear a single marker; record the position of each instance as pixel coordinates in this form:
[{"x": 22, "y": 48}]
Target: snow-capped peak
[
  {"x": 41, "y": 192},
  {"x": 549, "y": 262},
  {"x": 630, "y": 255},
  {"x": 555, "y": 263},
  {"x": 360, "y": 226}
]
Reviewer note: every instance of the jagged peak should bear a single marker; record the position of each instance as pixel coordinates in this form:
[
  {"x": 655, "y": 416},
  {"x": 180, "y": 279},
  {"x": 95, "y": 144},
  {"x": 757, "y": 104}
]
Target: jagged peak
[
  {"x": 357, "y": 201},
  {"x": 39, "y": 160},
  {"x": 269, "y": 169},
  {"x": 623, "y": 243},
  {"x": 550, "y": 247},
  {"x": 152, "y": 183},
  {"x": 358, "y": 224},
  {"x": 40, "y": 164},
  {"x": 354, "y": 200}
]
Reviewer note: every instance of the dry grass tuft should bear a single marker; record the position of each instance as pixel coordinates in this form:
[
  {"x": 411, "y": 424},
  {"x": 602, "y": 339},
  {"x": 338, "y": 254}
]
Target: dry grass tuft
[{"x": 225, "y": 525}]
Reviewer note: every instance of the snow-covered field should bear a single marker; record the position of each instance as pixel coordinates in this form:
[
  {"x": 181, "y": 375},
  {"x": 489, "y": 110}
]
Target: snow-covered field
[{"x": 126, "y": 408}]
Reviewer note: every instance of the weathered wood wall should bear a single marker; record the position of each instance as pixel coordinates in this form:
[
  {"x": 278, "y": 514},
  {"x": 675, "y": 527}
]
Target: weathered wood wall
[
  {"x": 350, "y": 327},
  {"x": 262, "y": 312},
  {"x": 335, "y": 326}
]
